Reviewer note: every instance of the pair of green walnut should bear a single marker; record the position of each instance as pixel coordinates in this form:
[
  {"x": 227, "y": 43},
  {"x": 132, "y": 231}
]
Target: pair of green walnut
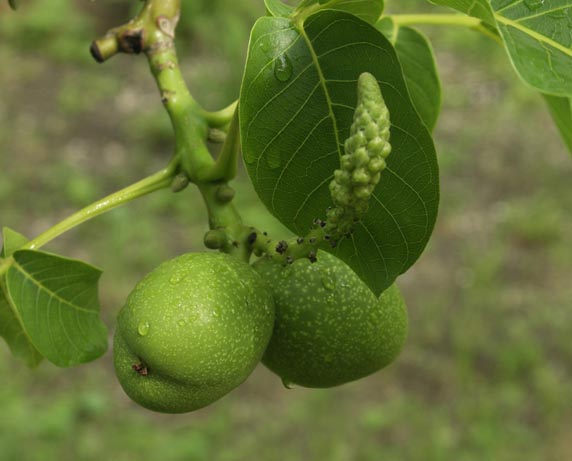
[{"x": 197, "y": 326}]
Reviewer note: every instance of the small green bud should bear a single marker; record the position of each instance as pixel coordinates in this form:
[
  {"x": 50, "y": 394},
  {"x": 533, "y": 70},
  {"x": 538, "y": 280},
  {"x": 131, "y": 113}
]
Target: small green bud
[
  {"x": 363, "y": 192},
  {"x": 361, "y": 156},
  {"x": 371, "y": 131},
  {"x": 350, "y": 145},
  {"x": 215, "y": 239},
  {"x": 341, "y": 177},
  {"x": 180, "y": 182},
  {"x": 375, "y": 146},
  {"x": 225, "y": 194},
  {"x": 377, "y": 112},
  {"x": 216, "y": 136},
  {"x": 347, "y": 163},
  {"x": 376, "y": 165},
  {"x": 384, "y": 133},
  {"x": 360, "y": 176},
  {"x": 364, "y": 120},
  {"x": 359, "y": 139}
]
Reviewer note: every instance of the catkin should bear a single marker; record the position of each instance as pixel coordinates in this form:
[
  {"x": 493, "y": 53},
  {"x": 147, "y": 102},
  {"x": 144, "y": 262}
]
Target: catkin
[{"x": 364, "y": 159}]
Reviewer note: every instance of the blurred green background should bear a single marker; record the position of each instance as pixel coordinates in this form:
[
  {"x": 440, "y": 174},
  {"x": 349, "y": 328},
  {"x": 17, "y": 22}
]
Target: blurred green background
[{"x": 486, "y": 373}]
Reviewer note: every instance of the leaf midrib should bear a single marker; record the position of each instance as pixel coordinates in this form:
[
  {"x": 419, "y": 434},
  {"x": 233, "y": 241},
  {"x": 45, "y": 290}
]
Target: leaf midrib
[
  {"x": 302, "y": 31},
  {"x": 537, "y": 36},
  {"x": 543, "y": 13},
  {"x": 526, "y": 30},
  {"x": 40, "y": 286},
  {"x": 4, "y": 290},
  {"x": 316, "y": 7}
]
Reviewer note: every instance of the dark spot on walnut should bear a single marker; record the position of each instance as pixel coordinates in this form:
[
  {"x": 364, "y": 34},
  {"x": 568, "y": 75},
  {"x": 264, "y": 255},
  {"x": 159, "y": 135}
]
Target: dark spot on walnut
[
  {"x": 282, "y": 247},
  {"x": 252, "y": 238},
  {"x": 140, "y": 368}
]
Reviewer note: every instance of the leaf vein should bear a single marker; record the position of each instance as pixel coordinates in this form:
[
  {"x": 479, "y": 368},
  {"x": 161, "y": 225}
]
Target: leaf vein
[{"x": 42, "y": 287}]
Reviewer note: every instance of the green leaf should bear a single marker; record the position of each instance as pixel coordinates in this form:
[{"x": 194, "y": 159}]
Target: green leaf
[
  {"x": 419, "y": 69},
  {"x": 14, "y": 335},
  {"x": 368, "y": 10},
  {"x": 561, "y": 111},
  {"x": 297, "y": 102},
  {"x": 56, "y": 302},
  {"x": 12, "y": 241},
  {"x": 537, "y": 35},
  {"x": 277, "y": 8},
  {"x": 13, "y": 4},
  {"x": 10, "y": 328},
  {"x": 477, "y": 8}
]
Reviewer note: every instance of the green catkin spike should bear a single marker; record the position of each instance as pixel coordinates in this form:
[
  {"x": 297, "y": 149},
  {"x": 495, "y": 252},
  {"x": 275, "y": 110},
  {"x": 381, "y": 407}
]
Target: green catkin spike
[
  {"x": 354, "y": 182},
  {"x": 363, "y": 161}
]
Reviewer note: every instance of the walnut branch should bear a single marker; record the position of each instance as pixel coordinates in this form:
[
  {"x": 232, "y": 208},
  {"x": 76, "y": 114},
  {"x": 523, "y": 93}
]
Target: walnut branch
[{"x": 153, "y": 27}]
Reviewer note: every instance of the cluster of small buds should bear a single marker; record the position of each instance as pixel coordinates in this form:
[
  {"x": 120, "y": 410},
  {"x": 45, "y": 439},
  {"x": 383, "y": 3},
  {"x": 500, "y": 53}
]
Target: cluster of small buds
[{"x": 365, "y": 152}]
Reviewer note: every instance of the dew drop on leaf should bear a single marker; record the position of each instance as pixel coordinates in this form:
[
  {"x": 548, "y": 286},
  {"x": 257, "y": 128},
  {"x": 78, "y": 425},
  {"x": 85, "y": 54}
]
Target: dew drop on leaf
[
  {"x": 181, "y": 322},
  {"x": 264, "y": 46},
  {"x": 249, "y": 156},
  {"x": 559, "y": 14},
  {"x": 533, "y": 5},
  {"x": 143, "y": 328},
  {"x": 282, "y": 68},
  {"x": 273, "y": 159}
]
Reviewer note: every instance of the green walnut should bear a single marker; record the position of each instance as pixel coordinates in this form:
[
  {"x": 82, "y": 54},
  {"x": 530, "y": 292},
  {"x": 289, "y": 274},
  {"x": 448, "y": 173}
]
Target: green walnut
[
  {"x": 191, "y": 331},
  {"x": 330, "y": 328}
]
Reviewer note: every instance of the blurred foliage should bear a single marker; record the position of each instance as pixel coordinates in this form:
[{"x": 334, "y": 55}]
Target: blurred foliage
[{"x": 487, "y": 369}]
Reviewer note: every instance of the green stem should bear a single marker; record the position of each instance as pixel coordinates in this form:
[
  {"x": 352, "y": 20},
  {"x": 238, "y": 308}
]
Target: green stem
[
  {"x": 225, "y": 166},
  {"x": 156, "y": 26},
  {"x": 225, "y": 218},
  {"x": 435, "y": 19},
  {"x": 302, "y": 14},
  {"x": 287, "y": 251},
  {"x": 189, "y": 126},
  {"x": 160, "y": 180},
  {"x": 443, "y": 20},
  {"x": 153, "y": 32},
  {"x": 222, "y": 117}
]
